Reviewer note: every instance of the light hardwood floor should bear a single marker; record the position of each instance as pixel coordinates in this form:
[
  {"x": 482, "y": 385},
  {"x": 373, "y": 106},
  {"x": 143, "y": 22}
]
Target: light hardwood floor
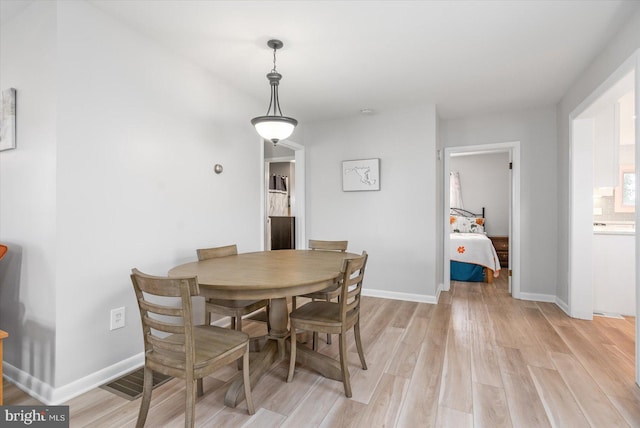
[{"x": 478, "y": 358}]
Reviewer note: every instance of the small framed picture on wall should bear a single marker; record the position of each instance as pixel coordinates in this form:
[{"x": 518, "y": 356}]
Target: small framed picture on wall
[
  {"x": 360, "y": 175},
  {"x": 8, "y": 119}
]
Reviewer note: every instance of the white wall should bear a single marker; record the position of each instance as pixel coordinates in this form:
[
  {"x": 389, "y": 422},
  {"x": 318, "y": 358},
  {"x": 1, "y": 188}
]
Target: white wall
[
  {"x": 138, "y": 130},
  {"x": 28, "y": 193},
  {"x": 623, "y": 45},
  {"x": 395, "y": 225},
  {"x": 485, "y": 183},
  {"x": 536, "y": 131}
]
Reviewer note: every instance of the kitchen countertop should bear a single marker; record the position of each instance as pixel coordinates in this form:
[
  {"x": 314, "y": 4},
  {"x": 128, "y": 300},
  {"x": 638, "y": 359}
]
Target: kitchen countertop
[{"x": 614, "y": 228}]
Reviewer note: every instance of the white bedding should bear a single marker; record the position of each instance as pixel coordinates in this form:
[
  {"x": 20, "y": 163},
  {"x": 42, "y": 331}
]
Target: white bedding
[{"x": 474, "y": 248}]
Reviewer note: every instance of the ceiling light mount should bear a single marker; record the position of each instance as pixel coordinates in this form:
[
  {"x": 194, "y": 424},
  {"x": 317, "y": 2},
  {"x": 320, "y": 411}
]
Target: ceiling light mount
[{"x": 274, "y": 126}]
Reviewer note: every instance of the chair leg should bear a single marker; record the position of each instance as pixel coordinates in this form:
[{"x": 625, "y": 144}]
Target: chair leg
[
  {"x": 146, "y": 397},
  {"x": 200, "y": 387},
  {"x": 190, "y": 403},
  {"x": 344, "y": 366},
  {"x": 356, "y": 332},
  {"x": 236, "y": 324},
  {"x": 207, "y": 317},
  {"x": 268, "y": 322},
  {"x": 247, "y": 382},
  {"x": 314, "y": 344},
  {"x": 292, "y": 358},
  {"x": 293, "y": 303},
  {"x": 328, "y": 334}
]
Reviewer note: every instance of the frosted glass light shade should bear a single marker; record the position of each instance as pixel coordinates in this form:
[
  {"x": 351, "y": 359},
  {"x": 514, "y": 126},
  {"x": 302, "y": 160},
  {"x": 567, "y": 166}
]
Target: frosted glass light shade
[{"x": 274, "y": 128}]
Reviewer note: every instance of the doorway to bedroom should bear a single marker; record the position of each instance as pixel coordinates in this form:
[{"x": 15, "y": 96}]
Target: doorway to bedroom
[{"x": 492, "y": 184}]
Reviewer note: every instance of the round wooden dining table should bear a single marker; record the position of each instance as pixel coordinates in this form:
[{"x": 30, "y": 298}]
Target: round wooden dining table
[{"x": 273, "y": 275}]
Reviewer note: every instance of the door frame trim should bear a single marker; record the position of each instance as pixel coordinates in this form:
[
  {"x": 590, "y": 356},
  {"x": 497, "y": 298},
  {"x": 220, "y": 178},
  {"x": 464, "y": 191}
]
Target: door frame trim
[
  {"x": 299, "y": 192},
  {"x": 513, "y": 148}
]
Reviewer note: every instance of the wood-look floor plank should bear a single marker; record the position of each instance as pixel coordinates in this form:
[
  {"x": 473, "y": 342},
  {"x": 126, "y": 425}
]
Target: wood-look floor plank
[
  {"x": 619, "y": 338},
  {"x": 595, "y": 405},
  {"x": 554, "y": 314},
  {"x": 404, "y": 313},
  {"x": 455, "y": 390},
  {"x": 275, "y": 394},
  {"x": 421, "y": 405},
  {"x": 344, "y": 413},
  {"x": 484, "y": 361},
  {"x": 316, "y": 404},
  {"x": 266, "y": 419},
  {"x": 453, "y": 418},
  {"x": 404, "y": 361},
  {"x": 364, "y": 382},
  {"x": 598, "y": 362},
  {"x": 525, "y": 406},
  {"x": 490, "y": 408},
  {"x": 558, "y": 401},
  {"x": 384, "y": 407},
  {"x": 544, "y": 331},
  {"x": 629, "y": 408}
]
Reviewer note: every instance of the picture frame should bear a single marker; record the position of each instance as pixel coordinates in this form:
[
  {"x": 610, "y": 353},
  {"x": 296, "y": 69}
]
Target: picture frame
[
  {"x": 361, "y": 175},
  {"x": 8, "y": 119}
]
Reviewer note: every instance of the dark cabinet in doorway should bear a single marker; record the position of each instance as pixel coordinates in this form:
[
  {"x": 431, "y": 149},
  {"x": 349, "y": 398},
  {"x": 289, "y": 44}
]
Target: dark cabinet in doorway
[{"x": 283, "y": 233}]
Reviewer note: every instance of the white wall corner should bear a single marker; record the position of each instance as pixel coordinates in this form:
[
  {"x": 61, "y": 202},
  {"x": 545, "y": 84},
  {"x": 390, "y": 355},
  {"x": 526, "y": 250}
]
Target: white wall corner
[
  {"x": 562, "y": 305},
  {"x": 438, "y": 291}
]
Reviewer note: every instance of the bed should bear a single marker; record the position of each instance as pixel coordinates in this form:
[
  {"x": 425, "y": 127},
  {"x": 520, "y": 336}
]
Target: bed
[{"x": 473, "y": 257}]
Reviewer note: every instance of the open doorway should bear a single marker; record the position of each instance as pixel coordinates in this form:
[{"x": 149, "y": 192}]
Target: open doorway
[
  {"x": 604, "y": 165},
  {"x": 284, "y": 227},
  {"x": 511, "y": 152}
]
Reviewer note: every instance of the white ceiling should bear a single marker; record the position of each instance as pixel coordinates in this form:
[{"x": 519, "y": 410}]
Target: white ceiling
[{"x": 467, "y": 57}]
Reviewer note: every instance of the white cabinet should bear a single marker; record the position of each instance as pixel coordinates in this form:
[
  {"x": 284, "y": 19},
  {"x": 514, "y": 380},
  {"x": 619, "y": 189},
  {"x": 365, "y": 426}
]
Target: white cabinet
[{"x": 614, "y": 274}]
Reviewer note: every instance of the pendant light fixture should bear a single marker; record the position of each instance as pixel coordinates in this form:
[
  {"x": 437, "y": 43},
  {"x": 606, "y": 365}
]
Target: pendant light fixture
[{"x": 274, "y": 127}]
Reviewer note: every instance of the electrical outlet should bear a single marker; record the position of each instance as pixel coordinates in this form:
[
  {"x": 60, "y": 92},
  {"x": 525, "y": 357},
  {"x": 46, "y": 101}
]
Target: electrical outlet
[{"x": 117, "y": 318}]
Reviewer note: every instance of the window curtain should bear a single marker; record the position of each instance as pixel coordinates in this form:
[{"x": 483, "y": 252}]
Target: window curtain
[{"x": 455, "y": 191}]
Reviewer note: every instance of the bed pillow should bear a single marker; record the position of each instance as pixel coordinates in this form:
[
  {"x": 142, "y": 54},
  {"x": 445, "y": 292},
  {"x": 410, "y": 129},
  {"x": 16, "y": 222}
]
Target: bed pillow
[{"x": 463, "y": 224}]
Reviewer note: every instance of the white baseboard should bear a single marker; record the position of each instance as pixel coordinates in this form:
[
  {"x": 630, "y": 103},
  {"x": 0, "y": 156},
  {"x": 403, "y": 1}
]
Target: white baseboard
[
  {"x": 395, "y": 295},
  {"x": 549, "y": 298},
  {"x": 55, "y": 396}
]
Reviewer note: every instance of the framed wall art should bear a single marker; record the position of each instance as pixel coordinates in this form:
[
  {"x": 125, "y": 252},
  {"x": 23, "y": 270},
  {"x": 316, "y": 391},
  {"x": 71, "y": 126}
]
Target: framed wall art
[
  {"x": 361, "y": 175},
  {"x": 8, "y": 119}
]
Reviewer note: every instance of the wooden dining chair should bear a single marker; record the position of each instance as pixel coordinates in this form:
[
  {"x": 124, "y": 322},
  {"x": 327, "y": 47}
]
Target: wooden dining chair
[
  {"x": 175, "y": 347},
  {"x": 329, "y": 293},
  {"x": 235, "y": 309},
  {"x": 335, "y": 317}
]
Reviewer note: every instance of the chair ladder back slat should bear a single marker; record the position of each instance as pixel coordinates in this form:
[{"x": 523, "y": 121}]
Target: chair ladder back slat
[
  {"x": 167, "y": 344},
  {"x": 212, "y": 253},
  {"x": 352, "y": 285},
  {"x": 315, "y": 244},
  {"x": 164, "y": 327},
  {"x": 161, "y": 309}
]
